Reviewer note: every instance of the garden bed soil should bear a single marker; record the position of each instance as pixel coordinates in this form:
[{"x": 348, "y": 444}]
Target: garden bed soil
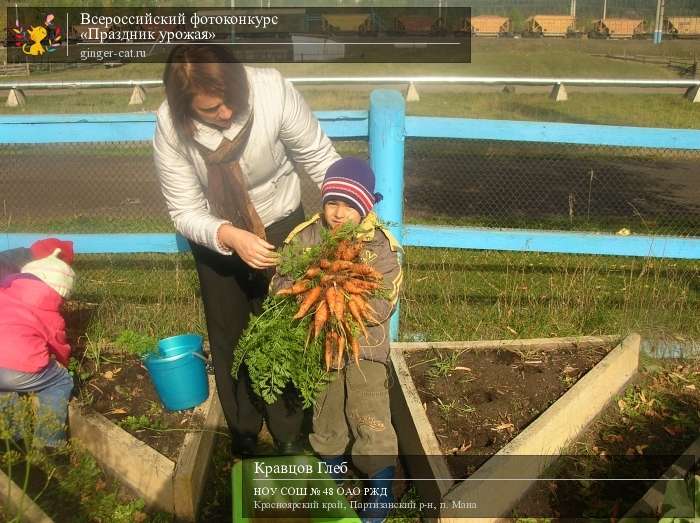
[
  {"x": 489, "y": 396},
  {"x": 120, "y": 389},
  {"x": 641, "y": 434}
]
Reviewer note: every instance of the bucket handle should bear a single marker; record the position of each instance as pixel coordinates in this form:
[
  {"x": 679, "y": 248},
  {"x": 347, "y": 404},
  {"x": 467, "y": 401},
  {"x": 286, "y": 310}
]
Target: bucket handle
[{"x": 204, "y": 359}]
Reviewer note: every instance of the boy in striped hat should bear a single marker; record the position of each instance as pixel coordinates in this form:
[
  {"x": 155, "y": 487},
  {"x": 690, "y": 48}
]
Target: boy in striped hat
[{"x": 351, "y": 419}]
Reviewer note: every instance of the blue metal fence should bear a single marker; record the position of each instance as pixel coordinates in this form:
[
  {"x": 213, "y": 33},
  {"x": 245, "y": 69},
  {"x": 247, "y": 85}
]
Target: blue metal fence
[{"x": 386, "y": 127}]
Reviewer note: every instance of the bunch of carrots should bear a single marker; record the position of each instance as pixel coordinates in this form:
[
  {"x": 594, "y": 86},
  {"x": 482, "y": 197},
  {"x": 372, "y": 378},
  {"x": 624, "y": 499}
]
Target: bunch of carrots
[{"x": 336, "y": 290}]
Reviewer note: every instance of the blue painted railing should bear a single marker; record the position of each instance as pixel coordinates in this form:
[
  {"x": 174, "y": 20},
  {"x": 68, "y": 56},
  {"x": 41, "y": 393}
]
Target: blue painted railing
[{"x": 386, "y": 127}]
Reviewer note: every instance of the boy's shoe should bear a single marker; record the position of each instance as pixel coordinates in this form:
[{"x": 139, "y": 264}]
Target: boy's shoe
[
  {"x": 381, "y": 492},
  {"x": 290, "y": 448},
  {"x": 244, "y": 445},
  {"x": 332, "y": 467}
]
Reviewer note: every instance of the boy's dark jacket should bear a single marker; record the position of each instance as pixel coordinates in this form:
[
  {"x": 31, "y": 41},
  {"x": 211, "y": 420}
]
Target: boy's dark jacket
[
  {"x": 381, "y": 252},
  {"x": 11, "y": 261}
]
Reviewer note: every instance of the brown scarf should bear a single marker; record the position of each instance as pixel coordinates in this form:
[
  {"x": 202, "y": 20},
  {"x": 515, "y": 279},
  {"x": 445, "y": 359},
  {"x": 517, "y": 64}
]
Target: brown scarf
[{"x": 227, "y": 190}]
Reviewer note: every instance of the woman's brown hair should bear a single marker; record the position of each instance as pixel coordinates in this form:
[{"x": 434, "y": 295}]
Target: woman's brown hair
[{"x": 202, "y": 69}]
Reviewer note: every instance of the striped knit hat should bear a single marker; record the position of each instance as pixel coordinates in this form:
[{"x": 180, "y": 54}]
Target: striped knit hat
[
  {"x": 53, "y": 271},
  {"x": 350, "y": 180}
]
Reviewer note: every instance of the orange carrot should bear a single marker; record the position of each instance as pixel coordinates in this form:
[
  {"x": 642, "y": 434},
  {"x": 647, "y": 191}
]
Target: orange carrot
[
  {"x": 351, "y": 287},
  {"x": 340, "y": 265},
  {"x": 311, "y": 297},
  {"x": 324, "y": 264},
  {"x": 327, "y": 278},
  {"x": 339, "y": 305},
  {"x": 320, "y": 317},
  {"x": 363, "y": 284},
  {"x": 355, "y": 311},
  {"x": 328, "y": 355},
  {"x": 365, "y": 270},
  {"x": 341, "y": 350},
  {"x": 340, "y": 249},
  {"x": 330, "y": 299},
  {"x": 312, "y": 272},
  {"x": 365, "y": 309},
  {"x": 351, "y": 252},
  {"x": 355, "y": 346},
  {"x": 295, "y": 289}
]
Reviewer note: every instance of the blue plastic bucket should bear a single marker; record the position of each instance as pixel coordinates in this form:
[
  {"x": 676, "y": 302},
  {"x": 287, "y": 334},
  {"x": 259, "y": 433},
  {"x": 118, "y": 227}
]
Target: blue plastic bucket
[
  {"x": 180, "y": 344},
  {"x": 181, "y": 380}
]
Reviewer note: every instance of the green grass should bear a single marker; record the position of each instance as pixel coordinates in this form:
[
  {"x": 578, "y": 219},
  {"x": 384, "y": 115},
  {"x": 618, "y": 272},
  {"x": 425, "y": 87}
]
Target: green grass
[
  {"x": 453, "y": 295},
  {"x": 644, "y": 110},
  {"x": 491, "y": 57},
  {"x": 448, "y": 295}
]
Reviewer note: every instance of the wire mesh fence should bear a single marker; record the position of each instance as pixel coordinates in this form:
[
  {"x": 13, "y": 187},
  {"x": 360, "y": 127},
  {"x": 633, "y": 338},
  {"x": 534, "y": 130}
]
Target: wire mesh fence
[
  {"x": 552, "y": 186},
  {"x": 113, "y": 187}
]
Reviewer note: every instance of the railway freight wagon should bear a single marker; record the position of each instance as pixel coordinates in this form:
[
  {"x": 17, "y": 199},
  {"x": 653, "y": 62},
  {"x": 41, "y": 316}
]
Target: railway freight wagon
[
  {"x": 419, "y": 25},
  {"x": 362, "y": 23},
  {"x": 682, "y": 26},
  {"x": 550, "y": 25},
  {"x": 618, "y": 28},
  {"x": 487, "y": 25}
]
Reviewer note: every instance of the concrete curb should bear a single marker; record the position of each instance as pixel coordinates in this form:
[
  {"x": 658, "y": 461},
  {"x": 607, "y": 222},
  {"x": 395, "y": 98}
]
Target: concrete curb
[{"x": 31, "y": 512}]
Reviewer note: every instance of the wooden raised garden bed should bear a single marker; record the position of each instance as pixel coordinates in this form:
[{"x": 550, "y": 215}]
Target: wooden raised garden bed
[
  {"x": 171, "y": 483},
  {"x": 12, "y": 497},
  {"x": 527, "y": 398}
]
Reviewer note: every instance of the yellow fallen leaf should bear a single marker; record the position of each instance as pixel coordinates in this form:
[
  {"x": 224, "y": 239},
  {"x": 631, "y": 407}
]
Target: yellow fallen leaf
[
  {"x": 463, "y": 368},
  {"x": 621, "y": 404},
  {"x": 116, "y": 411},
  {"x": 640, "y": 449},
  {"x": 503, "y": 426},
  {"x": 690, "y": 387},
  {"x": 512, "y": 331},
  {"x": 109, "y": 375}
]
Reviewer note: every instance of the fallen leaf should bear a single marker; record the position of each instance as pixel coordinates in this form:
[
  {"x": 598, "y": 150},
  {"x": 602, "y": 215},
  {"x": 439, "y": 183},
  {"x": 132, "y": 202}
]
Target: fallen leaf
[
  {"x": 674, "y": 430},
  {"x": 621, "y": 404},
  {"x": 630, "y": 451},
  {"x": 613, "y": 438},
  {"x": 425, "y": 406},
  {"x": 569, "y": 369},
  {"x": 465, "y": 446},
  {"x": 503, "y": 426},
  {"x": 690, "y": 387},
  {"x": 463, "y": 368},
  {"x": 109, "y": 375},
  {"x": 116, "y": 411},
  {"x": 512, "y": 331},
  {"x": 640, "y": 449}
]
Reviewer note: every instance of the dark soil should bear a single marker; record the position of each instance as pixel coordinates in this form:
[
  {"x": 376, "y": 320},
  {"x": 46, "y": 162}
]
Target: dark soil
[
  {"x": 121, "y": 390},
  {"x": 489, "y": 396},
  {"x": 639, "y": 435}
]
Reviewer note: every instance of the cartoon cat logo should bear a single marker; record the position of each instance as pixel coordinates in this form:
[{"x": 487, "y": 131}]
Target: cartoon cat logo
[{"x": 40, "y": 39}]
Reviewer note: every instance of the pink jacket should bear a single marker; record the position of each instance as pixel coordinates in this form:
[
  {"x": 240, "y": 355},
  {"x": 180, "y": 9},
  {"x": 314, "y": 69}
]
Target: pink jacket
[{"x": 31, "y": 326}]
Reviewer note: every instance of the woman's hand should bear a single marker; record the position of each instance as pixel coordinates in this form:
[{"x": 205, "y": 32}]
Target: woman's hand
[{"x": 253, "y": 250}]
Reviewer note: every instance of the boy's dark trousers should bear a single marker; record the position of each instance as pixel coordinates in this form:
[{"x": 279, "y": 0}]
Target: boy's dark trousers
[
  {"x": 231, "y": 291},
  {"x": 354, "y": 408}
]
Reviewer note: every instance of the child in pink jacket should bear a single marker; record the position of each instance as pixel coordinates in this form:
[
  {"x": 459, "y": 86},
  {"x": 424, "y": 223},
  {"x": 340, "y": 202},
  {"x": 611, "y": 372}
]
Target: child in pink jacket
[{"x": 34, "y": 351}]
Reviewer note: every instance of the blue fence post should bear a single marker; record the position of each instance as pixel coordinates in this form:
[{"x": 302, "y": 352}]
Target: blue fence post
[{"x": 387, "y": 116}]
